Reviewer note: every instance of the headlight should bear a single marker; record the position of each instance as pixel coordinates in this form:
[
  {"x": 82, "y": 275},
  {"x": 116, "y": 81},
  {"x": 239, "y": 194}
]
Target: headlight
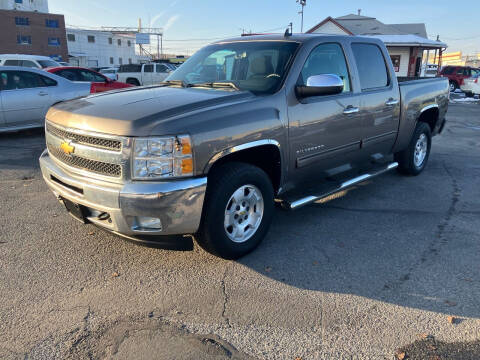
[{"x": 162, "y": 157}]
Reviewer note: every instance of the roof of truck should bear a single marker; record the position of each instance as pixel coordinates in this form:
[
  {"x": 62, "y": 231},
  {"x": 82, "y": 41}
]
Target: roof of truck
[{"x": 281, "y": 37}]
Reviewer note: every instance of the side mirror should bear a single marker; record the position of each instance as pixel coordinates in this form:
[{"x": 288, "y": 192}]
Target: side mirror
[{"x": 317, "y": 85}]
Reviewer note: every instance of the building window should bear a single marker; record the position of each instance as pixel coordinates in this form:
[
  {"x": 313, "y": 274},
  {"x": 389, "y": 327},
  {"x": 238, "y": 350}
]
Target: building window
[
  {"x": 18, "y": 1},
  {"x": 22, "y": 21},
  {"x": 119, "y": 42},
  {"x": 120, "y": 61},
  {"x": 91, "y": 38},
  {"x": 129, "y": 60},
  {"x": 111, "y": 60},
  {"x": 54, "y": 41},
  {"x": 24, "y": 40},
  {"x": 71, "y": 37},
  {"x": 110, "y": 41},
  {"x": 129, "y": 43},
  {"x": 51, "y": 23}
]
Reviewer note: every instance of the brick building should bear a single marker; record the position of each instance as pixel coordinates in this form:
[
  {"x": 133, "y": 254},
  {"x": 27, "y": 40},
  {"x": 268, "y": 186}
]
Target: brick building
[{"x": 33, "y": 33}]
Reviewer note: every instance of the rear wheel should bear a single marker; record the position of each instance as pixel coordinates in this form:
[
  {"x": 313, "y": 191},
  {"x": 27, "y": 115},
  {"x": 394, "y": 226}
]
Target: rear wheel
[
  {"x": 453, "y": 86},
  {"x": 413, "y": 160},
  {"x": 238, "y": 210}
]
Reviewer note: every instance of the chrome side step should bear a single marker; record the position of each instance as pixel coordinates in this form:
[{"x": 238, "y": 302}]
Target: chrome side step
[{"x": 293, "y": 205}]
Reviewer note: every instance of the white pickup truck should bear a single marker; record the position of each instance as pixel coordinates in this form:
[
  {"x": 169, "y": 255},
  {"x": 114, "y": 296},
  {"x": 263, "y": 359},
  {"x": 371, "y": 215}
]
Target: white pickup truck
[{"x": 143, "y": 74}]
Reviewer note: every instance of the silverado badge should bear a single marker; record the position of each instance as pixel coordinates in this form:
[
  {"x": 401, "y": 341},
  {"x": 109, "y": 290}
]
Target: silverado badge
[{"x": 67, "y": 148}]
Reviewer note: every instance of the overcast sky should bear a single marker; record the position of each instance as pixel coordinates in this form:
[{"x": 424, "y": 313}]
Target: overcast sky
[{"x": 190, "y": 24}]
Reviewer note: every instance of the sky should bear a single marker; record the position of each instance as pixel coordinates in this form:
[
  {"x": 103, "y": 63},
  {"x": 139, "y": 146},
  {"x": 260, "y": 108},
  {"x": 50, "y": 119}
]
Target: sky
[{"x": 190, "y": 24}]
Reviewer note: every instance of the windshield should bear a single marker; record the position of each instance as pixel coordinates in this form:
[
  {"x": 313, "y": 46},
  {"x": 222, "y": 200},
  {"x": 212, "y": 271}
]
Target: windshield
[
  {"x": 257, "y": 66},
  {"x": 48, "y": 63}
]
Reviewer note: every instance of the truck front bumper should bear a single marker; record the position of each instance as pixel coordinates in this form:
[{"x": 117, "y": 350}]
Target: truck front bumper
[{"x": 120, "y": 208}]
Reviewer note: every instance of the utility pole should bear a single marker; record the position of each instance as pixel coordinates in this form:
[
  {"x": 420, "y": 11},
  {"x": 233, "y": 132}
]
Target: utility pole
[{"x": 302, "y": 3}]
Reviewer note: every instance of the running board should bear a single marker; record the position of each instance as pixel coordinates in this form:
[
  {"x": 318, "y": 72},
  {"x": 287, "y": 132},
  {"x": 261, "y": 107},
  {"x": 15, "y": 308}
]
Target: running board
[{"x": 293, "y": 205}]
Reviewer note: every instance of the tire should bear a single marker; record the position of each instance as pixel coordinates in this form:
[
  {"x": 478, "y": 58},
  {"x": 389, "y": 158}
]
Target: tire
[
  {"x": 133, "y": 82},
  {"x": 221, "y": 209},
  {"x": 413, "y": 159},
  {"x": 453, "y": 86}
]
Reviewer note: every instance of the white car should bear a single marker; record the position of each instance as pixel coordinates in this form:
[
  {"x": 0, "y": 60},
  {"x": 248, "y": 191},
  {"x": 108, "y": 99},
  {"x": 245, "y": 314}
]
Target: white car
[
  {"x": 471, "y": 85},
  {"x": 143, "y": 74},
  {"x": 27, "y": 94},
  {"x": 31, "y": 61},
  {"x": 111, "y": 73}
]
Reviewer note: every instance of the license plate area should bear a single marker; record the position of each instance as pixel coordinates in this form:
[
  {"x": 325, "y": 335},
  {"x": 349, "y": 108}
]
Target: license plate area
[{"x": 78, "y": 211}]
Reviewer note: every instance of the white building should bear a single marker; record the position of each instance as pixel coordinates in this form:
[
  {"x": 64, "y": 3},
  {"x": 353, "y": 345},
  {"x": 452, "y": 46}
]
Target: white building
[
  {"x": 25, "y": 5},
  {"x": 94, "y": 48}
]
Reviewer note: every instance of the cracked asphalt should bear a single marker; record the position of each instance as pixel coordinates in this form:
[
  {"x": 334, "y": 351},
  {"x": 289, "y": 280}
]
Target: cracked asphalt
[{"x": 376, "y": 271}]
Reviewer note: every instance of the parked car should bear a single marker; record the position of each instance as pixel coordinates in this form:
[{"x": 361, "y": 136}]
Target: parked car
[
  {"x": 429, "y": 70},
  {"x": 99, "y": 82},
  {"x": 471, "y": 86},
  {"x": 111, "y": 73},
  {"x": 457, "y": 74},
  {"x": 143, "y": 74},
  {"x": 294, "y": 118},
  {"x": 27, "y": 94},
  {"x": 31, "y": 61}
]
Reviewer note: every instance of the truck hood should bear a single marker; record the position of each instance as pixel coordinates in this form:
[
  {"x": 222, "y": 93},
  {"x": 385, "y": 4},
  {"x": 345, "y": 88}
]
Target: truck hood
[{"x": 135, "y": 112}]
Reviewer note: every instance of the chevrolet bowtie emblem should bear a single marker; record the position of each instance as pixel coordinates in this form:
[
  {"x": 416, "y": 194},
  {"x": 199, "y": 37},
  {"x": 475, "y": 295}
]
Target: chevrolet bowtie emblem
[{"x": 67, "y": 148}]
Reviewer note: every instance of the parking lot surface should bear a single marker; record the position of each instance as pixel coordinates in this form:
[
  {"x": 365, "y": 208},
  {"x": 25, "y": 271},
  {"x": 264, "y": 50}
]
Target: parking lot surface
[{"x": 390, "y": 267}]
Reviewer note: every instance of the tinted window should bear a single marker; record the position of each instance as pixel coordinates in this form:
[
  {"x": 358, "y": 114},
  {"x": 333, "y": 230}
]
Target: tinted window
[
  {"x": 371, "y": 66},
  {"x": 28, "y": 63},
  {"x": 47, "y": 81},
  {"x": 148, "y": 68},
  {"x": 48, "y": 63},
  {"x": 130, "y": 68},
  {"x": 12, "y": 63},
  {"x": 68, "y": 74},
  {"x": 326, "y": 59},
  {"x": 12, "y": 80},
  {"x": 161, "y": 68},
  {"x": 86, "y": 75},
  {"x": 448, "y": 70}
]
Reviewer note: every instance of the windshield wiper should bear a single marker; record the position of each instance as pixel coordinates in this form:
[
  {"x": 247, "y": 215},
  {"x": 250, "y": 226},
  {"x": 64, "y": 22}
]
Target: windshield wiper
[
  {"x": 175, "y": 82},
  {"x": 219, "y": 85}
]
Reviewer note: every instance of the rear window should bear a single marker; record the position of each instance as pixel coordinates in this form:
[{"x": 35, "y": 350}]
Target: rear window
[
  {"x": 371, "y": 66},
  {"x": 448, "y": 70},
  {"x": 48, "y": 63},
  {"x": 130, "y": 68}
]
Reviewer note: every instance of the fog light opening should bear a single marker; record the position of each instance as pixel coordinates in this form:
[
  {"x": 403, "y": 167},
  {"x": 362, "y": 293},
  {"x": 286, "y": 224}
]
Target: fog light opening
[{"x": 149, "y": 223}]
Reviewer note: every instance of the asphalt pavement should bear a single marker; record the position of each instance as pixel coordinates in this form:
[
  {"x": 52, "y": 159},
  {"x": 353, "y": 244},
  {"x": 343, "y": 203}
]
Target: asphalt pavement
[{"x": 391, "y": 267}]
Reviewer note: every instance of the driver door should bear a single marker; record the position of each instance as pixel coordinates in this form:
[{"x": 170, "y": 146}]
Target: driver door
[{"x": 325, "y": 131}]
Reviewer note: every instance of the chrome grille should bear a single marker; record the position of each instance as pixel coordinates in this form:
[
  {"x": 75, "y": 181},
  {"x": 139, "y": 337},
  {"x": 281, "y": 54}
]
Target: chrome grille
[
  {"x": 79, "y": 162},
  {"x": 98, "y": 142}
]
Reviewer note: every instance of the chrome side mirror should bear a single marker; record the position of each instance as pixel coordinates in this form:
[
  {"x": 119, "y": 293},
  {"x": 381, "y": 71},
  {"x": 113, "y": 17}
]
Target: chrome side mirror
[{"x": 317, "y": 85}]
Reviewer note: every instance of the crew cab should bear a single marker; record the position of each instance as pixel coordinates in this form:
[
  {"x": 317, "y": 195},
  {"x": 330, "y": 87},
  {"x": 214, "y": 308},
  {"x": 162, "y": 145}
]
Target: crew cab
[
  {"x": 143, "y": 74},
  {"x": 99, "y": 82},
  {"x": 243, "y": 123}
]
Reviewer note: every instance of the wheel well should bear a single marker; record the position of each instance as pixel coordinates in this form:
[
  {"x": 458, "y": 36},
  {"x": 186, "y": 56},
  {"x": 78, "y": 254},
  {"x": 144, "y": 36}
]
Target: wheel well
[
  {"x": 134, "y": 80},
  {"x": 266, "y": 157},
  {"x": 430, "y": 117}
]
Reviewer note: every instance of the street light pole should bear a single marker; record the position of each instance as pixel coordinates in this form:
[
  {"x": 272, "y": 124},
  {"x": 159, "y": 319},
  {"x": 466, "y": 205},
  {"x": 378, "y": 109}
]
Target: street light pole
[{"x": 302, "y": 3}]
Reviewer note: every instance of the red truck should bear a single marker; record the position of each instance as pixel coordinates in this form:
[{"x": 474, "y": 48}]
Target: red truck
[{"x": 99, "y": 81}]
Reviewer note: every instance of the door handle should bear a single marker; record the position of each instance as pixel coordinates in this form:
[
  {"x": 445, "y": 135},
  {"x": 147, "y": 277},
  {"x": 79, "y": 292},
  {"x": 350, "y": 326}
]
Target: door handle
[
  {"x": 43, "y": 93},
  {"x": 350, "y": 110},
  {"x": 391, "y": 102}
]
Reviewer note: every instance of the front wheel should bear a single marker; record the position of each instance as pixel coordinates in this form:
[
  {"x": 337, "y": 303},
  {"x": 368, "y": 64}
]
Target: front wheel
[
  {"x": 453, "y": 86},
  {"x": 413, "y": 159},
  {"x": 238, "y": 210}
]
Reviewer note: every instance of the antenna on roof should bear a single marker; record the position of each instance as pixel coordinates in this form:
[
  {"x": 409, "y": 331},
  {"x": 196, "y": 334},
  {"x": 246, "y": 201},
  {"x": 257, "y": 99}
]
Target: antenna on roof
[{"x": 289, "y": 30}]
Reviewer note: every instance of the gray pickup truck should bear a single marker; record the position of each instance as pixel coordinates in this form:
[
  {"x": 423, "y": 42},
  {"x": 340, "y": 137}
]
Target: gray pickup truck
[{"x": 243, "y": 124}]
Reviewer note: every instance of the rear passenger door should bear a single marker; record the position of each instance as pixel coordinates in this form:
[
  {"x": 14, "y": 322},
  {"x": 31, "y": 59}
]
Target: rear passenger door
[
  {"x": 147, "y": 75},
  {"x": 380, "y": 99}
]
